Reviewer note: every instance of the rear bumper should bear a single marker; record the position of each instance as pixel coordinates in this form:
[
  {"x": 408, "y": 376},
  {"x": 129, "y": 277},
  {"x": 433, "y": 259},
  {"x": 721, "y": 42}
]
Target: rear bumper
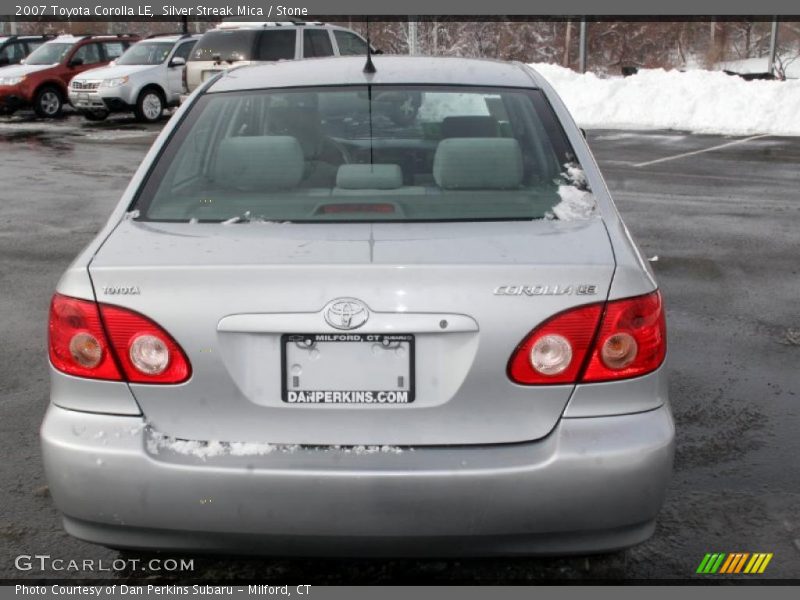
[{"x": 594, "y": 484}]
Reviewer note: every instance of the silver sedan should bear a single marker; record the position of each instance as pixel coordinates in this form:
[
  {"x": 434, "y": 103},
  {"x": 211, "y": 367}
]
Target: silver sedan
[{"x": 342, "y": 312}]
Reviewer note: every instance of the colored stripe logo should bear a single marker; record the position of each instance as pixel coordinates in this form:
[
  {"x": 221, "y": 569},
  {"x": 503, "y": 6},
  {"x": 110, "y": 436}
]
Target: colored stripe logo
[{"x": 734, "y": 563}]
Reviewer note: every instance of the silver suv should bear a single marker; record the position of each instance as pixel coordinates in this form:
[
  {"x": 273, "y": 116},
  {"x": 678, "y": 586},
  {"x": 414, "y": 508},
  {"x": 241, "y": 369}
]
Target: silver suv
[
  {"x": 241, "y": 43},
  {"x": 149, "y": 77}
]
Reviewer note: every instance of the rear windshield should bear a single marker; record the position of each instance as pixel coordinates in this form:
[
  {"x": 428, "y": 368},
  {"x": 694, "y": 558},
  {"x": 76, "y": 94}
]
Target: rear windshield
[
  {"x": 233, "y": 45},
  {"x": 48, "y": 54},
  {"x": 146, "y": 53},
  {"x": 366, "y": 153}
]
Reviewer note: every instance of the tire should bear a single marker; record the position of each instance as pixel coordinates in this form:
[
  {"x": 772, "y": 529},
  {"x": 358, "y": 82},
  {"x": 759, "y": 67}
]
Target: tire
[
  {"x": 95, "y": 115},
  {"x": 149, "y": 105},
  {"x": 48, "y": 102}
]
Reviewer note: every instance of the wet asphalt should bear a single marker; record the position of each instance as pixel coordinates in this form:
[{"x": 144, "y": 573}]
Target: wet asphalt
[{"x": 725, "y": 228}]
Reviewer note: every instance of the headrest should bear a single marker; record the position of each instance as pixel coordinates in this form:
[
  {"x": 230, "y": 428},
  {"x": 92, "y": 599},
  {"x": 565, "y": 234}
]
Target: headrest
[
  {"x": 369, "y": 177},
  {"x": 301, "y": 122},
  {"x": 469, "y": 126},
  {"x": 267, "y": 162},
  {"x": 478, "y": 164}
]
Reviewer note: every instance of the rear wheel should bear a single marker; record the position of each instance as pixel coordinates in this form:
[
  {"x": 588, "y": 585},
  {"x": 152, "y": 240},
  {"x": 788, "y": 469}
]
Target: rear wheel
[
  {"x": 48, "y": 102},
  {"x": 149, "y": 106}
]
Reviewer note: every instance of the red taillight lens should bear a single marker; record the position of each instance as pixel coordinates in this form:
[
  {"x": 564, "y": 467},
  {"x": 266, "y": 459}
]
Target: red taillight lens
[
  {"x": 83, "y": 345},
  {"x": 147, "y": 353},
  {"x": 576, "y": 327},
  {"x": 77, "y": 342},
  {"x": 630, "y": 341}
]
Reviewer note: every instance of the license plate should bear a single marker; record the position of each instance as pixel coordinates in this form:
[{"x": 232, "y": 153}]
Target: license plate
[
  {"x": 83, "y": 97},
  {"x": 347, "y": 368}
]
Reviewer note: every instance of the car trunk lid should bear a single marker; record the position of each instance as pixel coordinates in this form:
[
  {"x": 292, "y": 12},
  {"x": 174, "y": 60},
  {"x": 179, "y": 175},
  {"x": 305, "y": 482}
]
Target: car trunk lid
[{"x": 463, "y": 294}]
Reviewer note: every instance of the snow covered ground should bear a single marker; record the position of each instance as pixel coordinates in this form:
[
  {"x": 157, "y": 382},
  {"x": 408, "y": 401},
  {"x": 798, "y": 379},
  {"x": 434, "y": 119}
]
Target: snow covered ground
[{"x": 696, "y": 101}]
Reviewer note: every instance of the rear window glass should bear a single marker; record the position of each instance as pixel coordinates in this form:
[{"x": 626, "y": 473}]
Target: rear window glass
[
  {"x": 13, "y": 53},
  {"x": 113, "y": 50},
  {"x": 367, "y": 153},
  {"x": 349, "y": 43},
  {"x": 230, "y": 45},
  {"x": 276, "y": 44},
  {"x": 317, "y": 42}
]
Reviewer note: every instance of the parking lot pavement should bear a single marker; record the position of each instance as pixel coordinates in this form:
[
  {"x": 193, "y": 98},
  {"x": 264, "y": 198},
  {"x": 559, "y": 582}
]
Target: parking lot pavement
[{"x": 725, "y": 228}]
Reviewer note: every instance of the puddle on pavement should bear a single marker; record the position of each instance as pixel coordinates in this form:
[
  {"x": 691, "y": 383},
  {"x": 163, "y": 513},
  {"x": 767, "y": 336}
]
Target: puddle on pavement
[
  {"x": 34, "y": 139},
  {"x": 60, "y": 134}
]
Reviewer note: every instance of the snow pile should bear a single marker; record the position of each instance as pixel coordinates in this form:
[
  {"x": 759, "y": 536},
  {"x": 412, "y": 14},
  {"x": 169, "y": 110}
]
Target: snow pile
[
  {"x": 385, "y": 449},
  {"x": 698, "y": 101},
  {"x": 577, "y": 201},
  {"x": 158, "y": 441},
  {"x": 575, "y": 204}
]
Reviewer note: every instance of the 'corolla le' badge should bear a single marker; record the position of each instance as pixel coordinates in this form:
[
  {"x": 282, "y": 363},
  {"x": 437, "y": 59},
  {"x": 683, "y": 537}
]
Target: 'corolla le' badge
[{"x": 346, "y": 313}]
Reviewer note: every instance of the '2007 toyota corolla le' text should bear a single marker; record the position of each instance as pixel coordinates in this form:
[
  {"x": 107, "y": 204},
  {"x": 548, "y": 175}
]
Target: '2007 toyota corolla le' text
[{"x": 386, "y": 311}]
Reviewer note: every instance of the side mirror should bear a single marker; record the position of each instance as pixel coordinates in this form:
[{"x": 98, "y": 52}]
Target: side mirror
[
  {"x": 113, "y": 63},
  {"x": 377, "y": 51},
  {"x": 178, "y": 61},
  {"x": 76, "y": 62},
  {"x": 22, "y": 62}
]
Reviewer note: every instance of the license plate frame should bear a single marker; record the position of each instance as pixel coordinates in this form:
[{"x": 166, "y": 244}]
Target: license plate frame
[{"x": 355, "y": 396}]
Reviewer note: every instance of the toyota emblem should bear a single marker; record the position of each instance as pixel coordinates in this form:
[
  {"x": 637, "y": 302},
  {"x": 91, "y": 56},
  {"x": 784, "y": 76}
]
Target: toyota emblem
[{"x": 346, "y": 313}]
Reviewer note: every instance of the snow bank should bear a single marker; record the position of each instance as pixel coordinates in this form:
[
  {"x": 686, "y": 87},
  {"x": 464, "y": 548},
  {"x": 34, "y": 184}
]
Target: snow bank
[{"x": 697, "y": 101}]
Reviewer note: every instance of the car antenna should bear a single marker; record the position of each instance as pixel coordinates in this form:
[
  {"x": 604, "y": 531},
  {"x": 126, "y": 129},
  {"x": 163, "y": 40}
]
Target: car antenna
[{"x": 369, "y": 67}]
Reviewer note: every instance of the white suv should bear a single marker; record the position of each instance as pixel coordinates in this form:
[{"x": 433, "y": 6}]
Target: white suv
[
  {"x": 146, "y": 79},
  {"x": 241, "y": 43}
]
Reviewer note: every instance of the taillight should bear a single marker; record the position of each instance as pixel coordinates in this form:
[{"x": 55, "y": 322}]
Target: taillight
[
  {"x": 632, "y": 339},
  {"x": 97, "y": 340},
  {"x": 555, "y": 351},
  {"x": 78, "y": 344},
  {"x": 621, "y": 339}
]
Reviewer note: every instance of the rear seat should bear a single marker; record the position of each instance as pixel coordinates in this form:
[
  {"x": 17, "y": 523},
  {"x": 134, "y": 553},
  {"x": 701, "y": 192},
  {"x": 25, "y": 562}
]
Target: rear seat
[
  {"x": 272, "y": 162},
  {"x": 366, "y": 179}
]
